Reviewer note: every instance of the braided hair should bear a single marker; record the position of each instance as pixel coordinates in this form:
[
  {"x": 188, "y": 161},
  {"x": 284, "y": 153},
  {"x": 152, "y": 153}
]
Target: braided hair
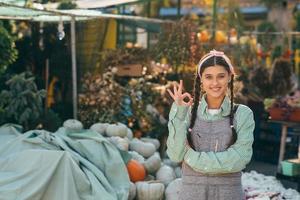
[{"x": 212, "y": 61}]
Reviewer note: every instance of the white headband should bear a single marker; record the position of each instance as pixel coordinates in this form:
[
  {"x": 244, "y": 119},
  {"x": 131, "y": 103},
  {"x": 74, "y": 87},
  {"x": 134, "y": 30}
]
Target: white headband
[{"x": 212, "y": 54}]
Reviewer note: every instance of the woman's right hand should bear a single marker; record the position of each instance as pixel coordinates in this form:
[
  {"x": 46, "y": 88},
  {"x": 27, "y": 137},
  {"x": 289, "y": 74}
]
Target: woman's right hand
[{"x": 179, "y": 97}]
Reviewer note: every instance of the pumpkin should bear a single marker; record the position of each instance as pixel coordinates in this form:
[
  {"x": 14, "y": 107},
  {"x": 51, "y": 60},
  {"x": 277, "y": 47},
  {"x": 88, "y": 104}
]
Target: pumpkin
[
  {"x": 173, "y": 189},
  {"x": 178, "y": 172},
  {"x": 136, "y": 171},
  {"x": 119, "y": 142},
  {"x": 153, "y": 163},
  {"x": 100, "y": 128},
  {"x": 150, "y": 190},
  {"x": 170, "y": 163},
  {"x": 152, "y": 140},
  {"x": 132, "y": 191},
  {"x": 143, "y": 148},
  {"x": 73, "y": 124},
  {"x": 165, "y": 174},
  {"x": 117, "y": 129},
  {"x": 129, "y": 134},
  {"x": 136, "y": 156}
]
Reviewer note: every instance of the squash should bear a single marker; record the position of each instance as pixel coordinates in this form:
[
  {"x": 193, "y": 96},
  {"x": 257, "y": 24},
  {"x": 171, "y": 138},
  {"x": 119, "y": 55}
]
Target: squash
[
  {"x": 117, "y": 129},
  {"x": 165, "y": 174},
  {"x": 132, "y": 191},
  {"x": 173, "y": 189},
  {"x": 73, "y": 125},
  {"x": 153, "y": 163},
  {"x": 143, "y": 148},
  {"x": 136, "y": 171},
  {"x": 121, "y": 143},
  {"x": 151, "y": 140},
  {"x": 178, "y": 172},
  {"x": 150, "y": 190},
  {"x": 129, "y": 134},
  {"x": 170, "y": 163},
  {"x": 100, "y": 128},
  {"x": 136, "y": 156}
]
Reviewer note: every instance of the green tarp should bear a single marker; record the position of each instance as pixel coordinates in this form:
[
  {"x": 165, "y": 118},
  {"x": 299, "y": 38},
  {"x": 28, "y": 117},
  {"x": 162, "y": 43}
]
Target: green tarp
[{"x": 61, "y": 165}]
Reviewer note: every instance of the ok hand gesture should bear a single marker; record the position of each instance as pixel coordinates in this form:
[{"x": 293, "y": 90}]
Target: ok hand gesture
[{"x": 178, "y": 97}]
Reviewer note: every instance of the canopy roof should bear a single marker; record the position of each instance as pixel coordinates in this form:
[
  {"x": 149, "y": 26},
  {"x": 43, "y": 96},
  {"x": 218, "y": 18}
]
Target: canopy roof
[{"x": 9, "y": 11}]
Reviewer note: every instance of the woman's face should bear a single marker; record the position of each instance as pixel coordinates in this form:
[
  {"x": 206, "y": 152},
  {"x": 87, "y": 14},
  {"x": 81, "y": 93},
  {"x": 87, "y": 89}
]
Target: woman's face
[{"x": 215, "y": 81}]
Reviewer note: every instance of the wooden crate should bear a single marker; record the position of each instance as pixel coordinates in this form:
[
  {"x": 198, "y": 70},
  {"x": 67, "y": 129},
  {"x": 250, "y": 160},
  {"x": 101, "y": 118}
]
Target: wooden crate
[{"x": 131, "y": 70}]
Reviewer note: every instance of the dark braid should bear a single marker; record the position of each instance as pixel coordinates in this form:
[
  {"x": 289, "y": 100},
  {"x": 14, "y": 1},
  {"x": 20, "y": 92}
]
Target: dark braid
[
  {"x": 232, "y": 111},
  {"x": 197, "y": 91}
]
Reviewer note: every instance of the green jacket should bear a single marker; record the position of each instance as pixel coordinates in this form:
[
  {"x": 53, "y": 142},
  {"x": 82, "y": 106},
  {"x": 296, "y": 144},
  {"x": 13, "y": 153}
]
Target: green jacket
[{"x": 234, "y": 159}]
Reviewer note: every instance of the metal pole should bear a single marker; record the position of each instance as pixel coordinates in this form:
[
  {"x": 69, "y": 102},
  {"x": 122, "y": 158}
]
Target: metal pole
[
  {"x": 74, "y": 68},
  {"x": 214, "y": 24},
  {"x": 47, "y": 84},
  {"x": 178, "y": 9}
]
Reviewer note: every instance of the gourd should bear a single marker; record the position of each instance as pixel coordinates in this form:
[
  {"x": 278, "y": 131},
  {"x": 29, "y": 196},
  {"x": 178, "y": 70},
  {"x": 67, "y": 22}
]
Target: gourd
[
  {"x": 73, "y": 124},
  {"x": 121, "y": 143},
  {"x": 143, "y": 148},
  {"x": 136, "y": 156},
  {"x": 150, "y": 190},
  {"x": 153, "y": 163},
  {"x": 100, "y": 128},
  {"x": 173, "y": 189},
  {"x": 178, "y": 172},
  {"x": 165, "y": 174},
  {"x": 136, "y": 171},
  {"x": 152, "y": 140},
  {"x": 129, "y": 134},
  {"x": 132, "y": 191},
  {"x": 117, "y": 129}
]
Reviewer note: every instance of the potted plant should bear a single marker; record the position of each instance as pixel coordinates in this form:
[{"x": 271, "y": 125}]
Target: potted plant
[{"x": 284, "y": 103}]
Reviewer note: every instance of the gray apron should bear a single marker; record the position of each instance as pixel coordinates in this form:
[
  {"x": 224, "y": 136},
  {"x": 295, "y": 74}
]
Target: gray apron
[{"x": 214, "y": 136}]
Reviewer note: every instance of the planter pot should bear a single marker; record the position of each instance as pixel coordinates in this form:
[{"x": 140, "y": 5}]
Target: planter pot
[{"x": 280, "y": 114}]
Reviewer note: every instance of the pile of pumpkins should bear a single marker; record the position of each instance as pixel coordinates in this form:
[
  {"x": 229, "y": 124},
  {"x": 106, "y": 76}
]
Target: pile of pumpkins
[{"x": 152, "y": 178}]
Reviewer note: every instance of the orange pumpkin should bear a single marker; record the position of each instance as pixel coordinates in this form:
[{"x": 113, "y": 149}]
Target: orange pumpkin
[{"x": 136, "y": 171}]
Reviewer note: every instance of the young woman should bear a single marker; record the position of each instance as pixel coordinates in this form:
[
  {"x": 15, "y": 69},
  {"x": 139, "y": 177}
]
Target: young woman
[{"x": 209, "y": 134}]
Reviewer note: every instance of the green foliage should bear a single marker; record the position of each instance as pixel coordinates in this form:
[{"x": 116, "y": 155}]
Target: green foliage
[
  {"x": 179, "y": 44},
  {"x": 67, "y": 5},
  {"x": 8, "y": 53},
  {"x": 22, "y": 103},
  {"x": 266, "y": 40}
]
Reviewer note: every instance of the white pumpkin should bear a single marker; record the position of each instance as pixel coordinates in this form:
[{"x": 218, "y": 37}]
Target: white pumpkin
[
  {"x": 129, "y": 134},
  {"x": 165, "y": 174},
  {"x": 150, "y": 190},
  {"x": 132, "y": 191},
  {"x": 178, "y": 172},
  {"x": 143, "y": 148},
  {"x": 152, "y": 164},
  {"x": 153, "y": 141},
  {"x": 170, "y": 163},
  {"x": 119, "y": 142},
  {"x": 100, "y": 128},
  {"x": 73, "y": 124},
  {"x": 173, "y": 190},
  {"x": 149, "y": 178},
  {"x": 117, "y": 129},
  {"x": 136, "y": 156}
]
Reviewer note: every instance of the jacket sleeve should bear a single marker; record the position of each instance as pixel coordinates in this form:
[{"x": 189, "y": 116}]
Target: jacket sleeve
[
  {"x": 178, "y": 124},
  {"x": 233, "y": 159}
]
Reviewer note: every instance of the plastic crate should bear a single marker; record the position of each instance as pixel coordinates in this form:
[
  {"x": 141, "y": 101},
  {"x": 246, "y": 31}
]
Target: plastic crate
[{"x": 291, "y": 167}]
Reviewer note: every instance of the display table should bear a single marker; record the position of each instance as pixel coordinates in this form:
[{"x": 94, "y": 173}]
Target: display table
[{"x": 284, "y": 127}]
